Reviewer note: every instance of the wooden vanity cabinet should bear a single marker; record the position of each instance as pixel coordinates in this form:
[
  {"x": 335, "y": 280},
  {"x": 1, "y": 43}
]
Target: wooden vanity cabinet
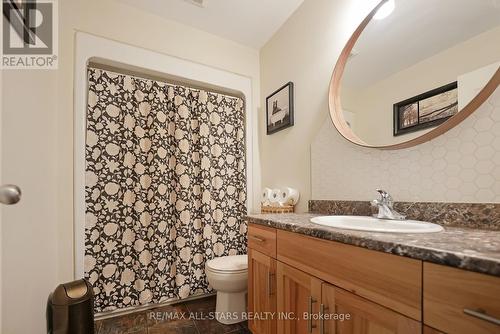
[
  {"x": 262, "y": 279},
  {"x": 392, "y": 281},
  {"x": 296, "y": 276},
  {"x": 292, "y": 282}
]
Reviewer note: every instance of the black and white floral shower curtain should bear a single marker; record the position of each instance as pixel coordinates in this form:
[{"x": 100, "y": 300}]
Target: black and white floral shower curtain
[{"x": 165, "y": 187}]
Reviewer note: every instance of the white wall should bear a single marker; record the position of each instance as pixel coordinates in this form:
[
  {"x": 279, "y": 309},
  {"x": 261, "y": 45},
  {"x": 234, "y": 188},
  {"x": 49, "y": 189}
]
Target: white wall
[
  {"x": 37, "y": 137},
  {"x": 471, "y": 83},
  {"x": 305, "y": 51},
  {"x": 373, "y": 105}
]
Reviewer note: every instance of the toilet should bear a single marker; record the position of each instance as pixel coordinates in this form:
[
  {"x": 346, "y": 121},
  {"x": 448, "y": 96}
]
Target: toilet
[{"x": 228, "y": 275}]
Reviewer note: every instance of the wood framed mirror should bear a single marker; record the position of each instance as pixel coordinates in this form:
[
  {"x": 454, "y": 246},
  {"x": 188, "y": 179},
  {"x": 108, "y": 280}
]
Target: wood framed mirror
[{"x": 415, "y": 69}]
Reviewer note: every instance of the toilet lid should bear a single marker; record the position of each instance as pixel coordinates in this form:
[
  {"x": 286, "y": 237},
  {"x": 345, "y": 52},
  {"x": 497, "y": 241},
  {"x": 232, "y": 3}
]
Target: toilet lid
[{"x": 229, "y": 263}]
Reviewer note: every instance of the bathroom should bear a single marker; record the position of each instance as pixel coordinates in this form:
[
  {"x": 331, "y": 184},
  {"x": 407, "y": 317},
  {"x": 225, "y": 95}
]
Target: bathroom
[{"x": 241, "y": 57}]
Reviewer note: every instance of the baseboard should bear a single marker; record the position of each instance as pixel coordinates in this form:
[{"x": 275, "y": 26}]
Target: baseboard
[{"x": 135, "y": 309}]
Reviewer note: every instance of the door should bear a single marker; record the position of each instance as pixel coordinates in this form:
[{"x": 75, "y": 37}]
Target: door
[
  {"x": 298, "y": 298},
  {"x": 345, "y": 313},
  {"x": 261, "y": 292},
  {"x": 33, "y": 232}
]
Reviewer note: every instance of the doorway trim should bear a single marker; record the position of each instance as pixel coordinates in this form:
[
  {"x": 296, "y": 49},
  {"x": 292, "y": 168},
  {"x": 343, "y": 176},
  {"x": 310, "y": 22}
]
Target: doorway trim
[{"x": 91, "y": 48}]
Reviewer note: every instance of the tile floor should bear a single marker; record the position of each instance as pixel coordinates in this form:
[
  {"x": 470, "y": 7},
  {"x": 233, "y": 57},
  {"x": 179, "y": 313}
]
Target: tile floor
[{"x": 154, "y": 321}]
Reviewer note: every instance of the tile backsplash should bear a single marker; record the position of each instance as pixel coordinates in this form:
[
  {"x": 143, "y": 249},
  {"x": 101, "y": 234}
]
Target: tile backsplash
[{"x": 461, "y": 166}]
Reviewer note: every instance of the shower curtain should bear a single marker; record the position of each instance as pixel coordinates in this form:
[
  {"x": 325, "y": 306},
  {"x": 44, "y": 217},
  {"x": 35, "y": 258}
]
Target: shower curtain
[{"x": 165, "y": 187}]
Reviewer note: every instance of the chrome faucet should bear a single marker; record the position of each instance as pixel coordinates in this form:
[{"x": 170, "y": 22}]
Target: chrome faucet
[{"x": 385, "y": 207}]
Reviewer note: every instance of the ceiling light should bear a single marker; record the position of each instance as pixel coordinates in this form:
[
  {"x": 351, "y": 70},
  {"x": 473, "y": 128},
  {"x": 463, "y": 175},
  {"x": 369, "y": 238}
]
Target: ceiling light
[
  {"x": 384, "y": 11},
  {"x": 199, "y": 3},
  {"x": 353, "y": 53}
]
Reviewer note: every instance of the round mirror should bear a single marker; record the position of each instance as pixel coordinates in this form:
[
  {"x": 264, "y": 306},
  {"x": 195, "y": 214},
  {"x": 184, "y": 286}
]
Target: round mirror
[{"x": 414, "y": 69}]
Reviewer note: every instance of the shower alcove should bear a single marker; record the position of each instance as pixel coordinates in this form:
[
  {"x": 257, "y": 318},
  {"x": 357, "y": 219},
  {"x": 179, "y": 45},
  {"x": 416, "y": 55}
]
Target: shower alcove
[{"x": 107, "y": 54}]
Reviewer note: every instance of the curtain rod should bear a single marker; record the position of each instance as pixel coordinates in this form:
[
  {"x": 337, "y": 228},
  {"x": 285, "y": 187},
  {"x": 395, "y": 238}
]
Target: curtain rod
[{"x": 163, "y": 79}]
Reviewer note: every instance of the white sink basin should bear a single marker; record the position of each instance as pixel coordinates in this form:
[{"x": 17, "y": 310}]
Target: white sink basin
[{"x": 361, "y": 223}]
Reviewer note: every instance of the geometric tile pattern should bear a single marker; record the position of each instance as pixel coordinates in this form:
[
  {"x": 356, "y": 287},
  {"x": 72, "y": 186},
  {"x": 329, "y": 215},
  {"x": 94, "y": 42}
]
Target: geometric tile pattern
[{"x": 462, "y": 165}]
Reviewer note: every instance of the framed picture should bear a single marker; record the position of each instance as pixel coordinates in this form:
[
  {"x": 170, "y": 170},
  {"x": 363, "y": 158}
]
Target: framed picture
[
  {"x": 279, "y": 109},
  {"x": 426, "y": 110}
]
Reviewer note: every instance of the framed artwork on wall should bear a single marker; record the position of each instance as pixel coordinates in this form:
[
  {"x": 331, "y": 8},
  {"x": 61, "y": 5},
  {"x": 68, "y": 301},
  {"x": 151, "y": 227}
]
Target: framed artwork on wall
[
  {"x": 426, "y": 110},
  {"x": 279, "y": 109}
]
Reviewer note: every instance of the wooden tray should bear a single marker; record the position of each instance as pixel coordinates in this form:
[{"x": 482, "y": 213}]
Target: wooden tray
[{"x": 277, "y": 209}]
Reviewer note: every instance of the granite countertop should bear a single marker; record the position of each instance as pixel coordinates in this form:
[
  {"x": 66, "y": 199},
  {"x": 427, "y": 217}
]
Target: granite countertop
[{"x": 465, "y": 248}]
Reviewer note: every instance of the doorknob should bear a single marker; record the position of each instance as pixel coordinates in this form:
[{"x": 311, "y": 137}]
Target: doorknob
[{"x": 9, "y": 194}]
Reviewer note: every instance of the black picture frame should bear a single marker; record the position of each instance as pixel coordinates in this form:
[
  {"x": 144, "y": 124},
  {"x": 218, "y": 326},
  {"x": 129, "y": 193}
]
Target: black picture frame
[
  {"x": 413, "y": 103},
  {"x": 278, "y": 105}
]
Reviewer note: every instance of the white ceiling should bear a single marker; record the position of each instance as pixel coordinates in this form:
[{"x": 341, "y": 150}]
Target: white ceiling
[
  {"x": 249, "y": 22},
  {"x": 416, "y": 30}
]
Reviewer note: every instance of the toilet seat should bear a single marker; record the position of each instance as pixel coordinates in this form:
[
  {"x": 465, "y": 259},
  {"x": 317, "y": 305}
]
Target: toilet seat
[{"x": 232, "y": 264}]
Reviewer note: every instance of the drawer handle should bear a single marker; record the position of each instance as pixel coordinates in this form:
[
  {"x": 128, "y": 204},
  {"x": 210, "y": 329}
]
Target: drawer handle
[
  {"x": 481, "y": 314},
  {"x": 322, "y": 309},
  {"x": 310, "y": 325},
  {"x": 257, "y": 238}
]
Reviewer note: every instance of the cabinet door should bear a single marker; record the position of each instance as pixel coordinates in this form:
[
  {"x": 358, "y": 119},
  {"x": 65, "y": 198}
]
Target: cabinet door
[
  {"x": 261, "y": 292},
  {"x": 345, "y": 313},
  {"x": 298, "y": 300}
]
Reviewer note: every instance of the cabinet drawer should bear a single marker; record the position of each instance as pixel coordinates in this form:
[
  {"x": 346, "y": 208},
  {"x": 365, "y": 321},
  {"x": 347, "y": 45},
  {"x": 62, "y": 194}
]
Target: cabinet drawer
[
  {"x": 262, "y": 239},
  {"x": 364, "y": 316},
  {"x": 449, "y": 293},
  {"x": 389, "y": 280}
]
